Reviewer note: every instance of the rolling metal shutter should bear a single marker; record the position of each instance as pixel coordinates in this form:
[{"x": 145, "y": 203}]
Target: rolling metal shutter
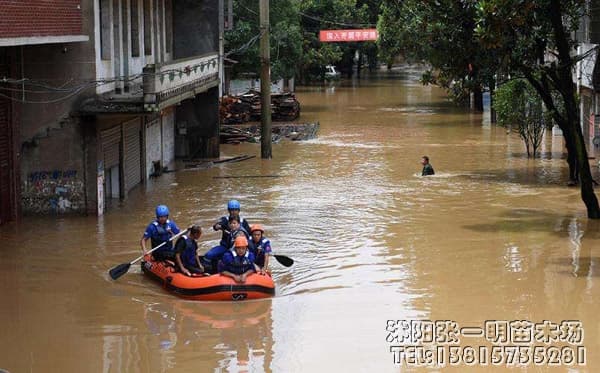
[
  {"x": 110, "y": 146},
  {"x": 5, "y": 162},
  {"x": 132, "y": 153}
]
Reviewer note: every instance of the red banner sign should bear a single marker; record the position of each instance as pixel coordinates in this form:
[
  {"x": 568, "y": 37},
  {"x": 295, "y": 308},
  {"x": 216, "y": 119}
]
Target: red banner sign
[{"x": 348, "y": 35}]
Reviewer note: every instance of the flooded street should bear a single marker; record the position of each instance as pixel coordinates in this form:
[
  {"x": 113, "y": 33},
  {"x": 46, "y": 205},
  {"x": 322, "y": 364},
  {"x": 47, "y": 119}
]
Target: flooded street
[{"x": 492, "y": 236}]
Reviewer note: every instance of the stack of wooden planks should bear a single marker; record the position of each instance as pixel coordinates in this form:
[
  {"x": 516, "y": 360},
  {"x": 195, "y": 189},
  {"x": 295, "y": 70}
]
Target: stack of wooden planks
[{"x": 247, "y": 107}]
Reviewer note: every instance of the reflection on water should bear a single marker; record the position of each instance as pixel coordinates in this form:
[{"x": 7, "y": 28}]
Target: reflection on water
[
  {"x": 229, "y": 336},
  {"x": 493, "y": 235}
]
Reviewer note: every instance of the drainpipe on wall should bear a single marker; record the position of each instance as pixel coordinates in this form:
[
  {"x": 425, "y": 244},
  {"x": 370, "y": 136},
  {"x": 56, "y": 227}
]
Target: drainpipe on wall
[
  {"x": 579, "y": 73},
  {"x": 221, "y": 46}
]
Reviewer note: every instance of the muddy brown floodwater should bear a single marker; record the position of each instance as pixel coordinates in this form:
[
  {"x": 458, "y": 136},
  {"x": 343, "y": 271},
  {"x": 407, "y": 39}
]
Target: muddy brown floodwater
[{"x": 493, "y": 236}]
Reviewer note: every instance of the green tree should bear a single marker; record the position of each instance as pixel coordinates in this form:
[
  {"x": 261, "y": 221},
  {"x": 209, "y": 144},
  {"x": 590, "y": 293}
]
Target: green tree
[
  {"x": 390, "y": 35},
  {"x": 519, "y": 105},
  {"x": 242, "y": 44},
  {"x": 535, "y": 40},
  {"x": 295, "y": 47},
  {"x": 320, "y": 15},
  {"x": 530, "y": 39},
  {"x": 441, "y": 33}
]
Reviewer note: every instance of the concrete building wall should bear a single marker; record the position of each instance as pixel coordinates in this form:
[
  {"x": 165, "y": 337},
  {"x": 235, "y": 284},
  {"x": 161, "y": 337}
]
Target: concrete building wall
[
  {"x": 52, "y": 173},
  {"x": 159, "y": 138},
  {"x": 153, "y": 144},
  {"x": 201, "y": 118},
  {"x": 196, "y": 27},
  {"x": 51, "y": 138},
  {"x": 196, "y": 31},
  {"x": 168, "y": 138}
]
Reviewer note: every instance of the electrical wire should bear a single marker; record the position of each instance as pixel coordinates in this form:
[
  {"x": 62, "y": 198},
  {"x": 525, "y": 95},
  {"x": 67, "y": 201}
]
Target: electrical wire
[
  {"x": 337, "y": 23},
  {"x": 245, "y": 46},
  {"x": 84, "y": 85}
]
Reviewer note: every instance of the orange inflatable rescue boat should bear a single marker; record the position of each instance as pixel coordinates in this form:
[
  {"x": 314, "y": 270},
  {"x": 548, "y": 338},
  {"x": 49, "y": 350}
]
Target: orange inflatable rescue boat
[{"x": 213, "y": 287}]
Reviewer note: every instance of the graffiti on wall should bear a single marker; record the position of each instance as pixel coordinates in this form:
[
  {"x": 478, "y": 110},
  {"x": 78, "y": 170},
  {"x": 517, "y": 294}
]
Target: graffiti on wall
[{"x": 56, "y": 191}]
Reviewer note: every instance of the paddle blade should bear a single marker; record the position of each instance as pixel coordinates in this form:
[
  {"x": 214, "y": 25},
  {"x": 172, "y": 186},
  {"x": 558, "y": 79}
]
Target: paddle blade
[
  {"x": 284, "y": 260},
  {"x": 119, "y": 270}
]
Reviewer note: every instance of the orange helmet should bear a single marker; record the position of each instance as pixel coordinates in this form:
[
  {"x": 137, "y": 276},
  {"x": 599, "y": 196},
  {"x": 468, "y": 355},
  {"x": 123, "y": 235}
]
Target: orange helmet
[
  {"x": 240, "y": 241},
  {"x": 256, "y": 227}
]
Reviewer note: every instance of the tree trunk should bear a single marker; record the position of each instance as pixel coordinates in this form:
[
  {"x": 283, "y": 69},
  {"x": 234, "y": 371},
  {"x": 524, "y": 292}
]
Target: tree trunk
[
  {"x": 493, "y": 118},
  {"x": 563, "y": 80},
  {"x": 579, "y": 167},
  {"x": 478, "y": 98}
]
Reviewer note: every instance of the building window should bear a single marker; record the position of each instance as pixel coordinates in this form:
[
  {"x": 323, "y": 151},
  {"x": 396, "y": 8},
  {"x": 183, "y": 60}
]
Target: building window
[
  {"x": 105, "y": 27},
  {"x": 160, "y": 29},
  {"x": 135, "y": 28},
  {"x": 168, "y": 25},
  {"x": 147, "y": 27}
]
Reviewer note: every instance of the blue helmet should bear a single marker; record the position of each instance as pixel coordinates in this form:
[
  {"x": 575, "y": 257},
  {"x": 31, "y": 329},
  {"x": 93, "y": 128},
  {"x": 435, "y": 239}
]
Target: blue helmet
[
  {"x": 233, "y": 205},
  {"x": 162, "y": 210}
]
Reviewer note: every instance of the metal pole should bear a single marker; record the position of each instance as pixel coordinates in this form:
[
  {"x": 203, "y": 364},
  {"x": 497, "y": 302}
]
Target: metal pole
[{"x": 265, "y": 82}]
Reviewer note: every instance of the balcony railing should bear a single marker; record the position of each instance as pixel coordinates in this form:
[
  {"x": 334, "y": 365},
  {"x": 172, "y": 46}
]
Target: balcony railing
[{"x": 169, "y": 83}]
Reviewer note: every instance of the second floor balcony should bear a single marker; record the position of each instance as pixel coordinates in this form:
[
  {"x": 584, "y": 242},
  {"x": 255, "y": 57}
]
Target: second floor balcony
[
  {"x": 169, "y": 83},
  {"x": 159, "y": 86}
]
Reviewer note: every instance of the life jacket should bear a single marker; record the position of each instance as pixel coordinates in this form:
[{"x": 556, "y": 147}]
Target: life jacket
[
  {"x": 188, "y": 256},
  {"x": 226, "y": 237},
  {"x": 240, "y": 264},
  {"x": 258, "y": 249},
  {"x": 260, "y": 246},
  {"x": 161, "y": 235},
  {"x": 234, "y": 234}
]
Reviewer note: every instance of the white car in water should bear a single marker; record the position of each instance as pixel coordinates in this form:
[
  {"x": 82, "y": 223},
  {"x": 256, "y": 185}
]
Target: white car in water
[{"x": 331, "y": 72}]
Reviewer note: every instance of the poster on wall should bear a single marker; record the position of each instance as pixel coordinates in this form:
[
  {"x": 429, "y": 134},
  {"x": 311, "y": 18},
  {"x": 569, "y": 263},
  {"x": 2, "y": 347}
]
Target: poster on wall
[{"x": 100, "y": 188}]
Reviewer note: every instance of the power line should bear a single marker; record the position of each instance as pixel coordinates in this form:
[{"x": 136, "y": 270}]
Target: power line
[
  {"x": 84, "y": 85},
  {"x": 337, "y": 23},
  {"x": 245, "y": 46}
]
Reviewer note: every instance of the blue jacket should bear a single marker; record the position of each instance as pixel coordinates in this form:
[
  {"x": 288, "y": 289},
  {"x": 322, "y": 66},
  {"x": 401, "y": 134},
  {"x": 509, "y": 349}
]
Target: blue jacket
[
  {"x": 158, "y": 234},
  {"x": 187, "y": 248},
  {"x": 226, "y": 237},
  {"x": 260, "y": 249},
  {"x": 238, "y": 264}
]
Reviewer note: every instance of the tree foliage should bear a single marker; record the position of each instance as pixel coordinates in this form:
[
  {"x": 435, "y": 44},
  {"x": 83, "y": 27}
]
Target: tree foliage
[
  {"x": 473, "y": 41},
  {"x": 535, "y": 40},
  {"x": 518, "y": 104},
  {"x": 294, "y": 36},
  {"x": 441, "y": 33},
  {"x": 334, "y": 14},
  {"x": 242, "y": 43}
]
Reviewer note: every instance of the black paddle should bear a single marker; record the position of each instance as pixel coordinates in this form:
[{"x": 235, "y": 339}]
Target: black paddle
[
  {"x": 122, "y": 269},
  {"x": 286, "y": 261}
]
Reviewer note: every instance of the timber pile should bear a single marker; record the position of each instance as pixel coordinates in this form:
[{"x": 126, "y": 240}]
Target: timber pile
[
  {"x": 196, "y": 164},
  {"x": 284, "y": 106},
  {"x": 235, "y": 134},
  {"x": 233, "y": 110},
  {"x": 247, "y": 107}
]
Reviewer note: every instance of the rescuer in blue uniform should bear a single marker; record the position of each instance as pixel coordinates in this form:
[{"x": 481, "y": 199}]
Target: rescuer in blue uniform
[
  {"x": 186, "y": 252},
  {"x": 260, "y": 246},
  {"x": 239, "y": 262},
  {"x": 159, "y": 231},
  {"x": 213, "y": 255},
  {"x": 233, "y": 207}
]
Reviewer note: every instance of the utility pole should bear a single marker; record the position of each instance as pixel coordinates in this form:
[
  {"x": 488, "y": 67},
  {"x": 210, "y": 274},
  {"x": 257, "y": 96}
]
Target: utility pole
[{"x": 265, "y": 82}]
